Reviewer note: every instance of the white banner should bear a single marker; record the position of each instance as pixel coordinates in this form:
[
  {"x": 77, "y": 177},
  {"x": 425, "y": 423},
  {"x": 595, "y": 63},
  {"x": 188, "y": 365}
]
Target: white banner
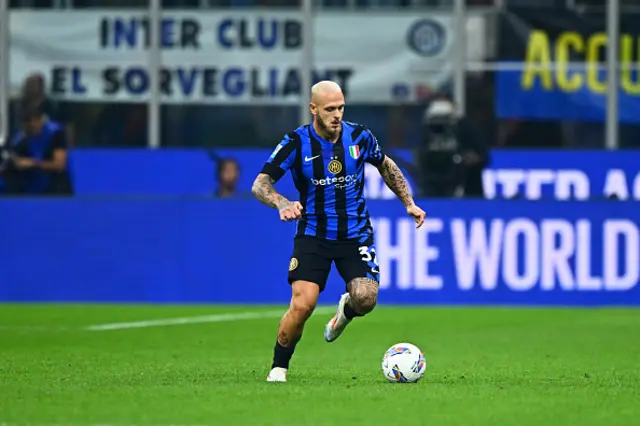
[{"x": 236, "y": 57}]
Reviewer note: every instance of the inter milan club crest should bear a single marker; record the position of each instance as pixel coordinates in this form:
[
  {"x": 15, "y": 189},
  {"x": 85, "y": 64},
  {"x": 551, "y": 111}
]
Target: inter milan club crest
[
  {"x": 293, "y": 264},
  {"x": 334, "y": 167},
  {"x": 354, "y": 151}
]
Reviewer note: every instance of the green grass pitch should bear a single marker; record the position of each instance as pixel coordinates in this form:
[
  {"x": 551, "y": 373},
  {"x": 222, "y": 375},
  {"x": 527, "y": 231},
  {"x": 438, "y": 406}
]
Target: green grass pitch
[{"x": 485, "y": 366}]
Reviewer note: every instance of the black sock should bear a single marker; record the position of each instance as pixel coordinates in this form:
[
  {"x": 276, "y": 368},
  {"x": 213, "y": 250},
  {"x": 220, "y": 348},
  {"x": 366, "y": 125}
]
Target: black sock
[
  {"x": 350, "y": 313},
  {"x": 282, "y": 355}
]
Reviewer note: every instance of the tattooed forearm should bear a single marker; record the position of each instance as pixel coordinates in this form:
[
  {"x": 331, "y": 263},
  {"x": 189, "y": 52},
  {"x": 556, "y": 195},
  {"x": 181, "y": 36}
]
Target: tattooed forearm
[
  {"x": 395, "y": 180},
  {"x": 264, "y": 191}
]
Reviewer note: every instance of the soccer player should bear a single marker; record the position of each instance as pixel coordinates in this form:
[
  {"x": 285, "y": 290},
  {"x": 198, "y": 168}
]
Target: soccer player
[{"x": 326, "y": 159}]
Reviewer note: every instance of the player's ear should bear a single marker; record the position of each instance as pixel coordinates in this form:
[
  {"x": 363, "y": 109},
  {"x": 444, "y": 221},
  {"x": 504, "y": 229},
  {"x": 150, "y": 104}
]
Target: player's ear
[{"x": 313, "y": 108}]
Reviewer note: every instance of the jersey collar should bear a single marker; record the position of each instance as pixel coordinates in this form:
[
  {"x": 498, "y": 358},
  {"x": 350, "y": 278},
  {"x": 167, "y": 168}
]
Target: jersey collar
[{"x": 324, "y": 141}]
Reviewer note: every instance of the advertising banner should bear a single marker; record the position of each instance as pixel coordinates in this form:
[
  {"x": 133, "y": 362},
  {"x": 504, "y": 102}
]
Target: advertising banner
[
  {"x": 523, "y": 174},
  {"x": 563, "y": 73},
  {"x": 238, "y": 251},
  {"x": 238, "y": 57},
  {"x": 563, "y": 175}
]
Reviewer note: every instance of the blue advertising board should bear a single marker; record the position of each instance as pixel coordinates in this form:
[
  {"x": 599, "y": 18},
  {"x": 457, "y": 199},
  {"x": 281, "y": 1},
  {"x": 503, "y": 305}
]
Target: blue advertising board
[
  {"x": 577, "y": 95},
  {"x": 527, "y": 174},
  {"x": 237, "y": 251},
  {"x": 555, "y": 68},
  {"x": 176, "y": 172},
  {"x": 563, "y": 174}
]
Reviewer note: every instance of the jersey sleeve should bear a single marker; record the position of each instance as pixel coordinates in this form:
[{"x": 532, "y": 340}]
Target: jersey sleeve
[
  {"x": 281, "y": 159},
  {"x": 374, "y": 153},
  {"x": 19, "y": 145},
  {"x": 59, "y": 140}
]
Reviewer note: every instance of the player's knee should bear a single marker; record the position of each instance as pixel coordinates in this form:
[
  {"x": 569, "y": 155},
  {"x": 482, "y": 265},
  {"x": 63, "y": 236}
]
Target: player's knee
[
  {"x": 303, "y": 300},
  {"x": 365, "y": 302},
  {"x": 302, "y": 308},
  {"x": 364, "y": 295}
]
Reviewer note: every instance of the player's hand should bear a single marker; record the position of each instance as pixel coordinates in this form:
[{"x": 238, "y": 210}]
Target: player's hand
[
  {"x": 25, "y": 163},
  {"x": 417, "y": 214},
  {"x": 290, "y": 211}
]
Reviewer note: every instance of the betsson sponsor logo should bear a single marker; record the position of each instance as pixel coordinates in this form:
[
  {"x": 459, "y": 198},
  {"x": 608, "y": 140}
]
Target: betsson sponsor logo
[{"x": 339, "y": 181}]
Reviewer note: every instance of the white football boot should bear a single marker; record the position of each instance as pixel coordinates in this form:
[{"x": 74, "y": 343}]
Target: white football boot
[
  {"x": 277, "y": 374},
  {"x": 339, "y": 322}
]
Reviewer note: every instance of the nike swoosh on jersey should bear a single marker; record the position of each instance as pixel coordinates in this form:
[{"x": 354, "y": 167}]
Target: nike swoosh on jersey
[{"x": 309, "y": 159}]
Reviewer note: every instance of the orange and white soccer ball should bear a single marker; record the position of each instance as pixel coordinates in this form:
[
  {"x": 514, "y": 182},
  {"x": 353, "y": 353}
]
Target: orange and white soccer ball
[{"x": 403, "y": 363}]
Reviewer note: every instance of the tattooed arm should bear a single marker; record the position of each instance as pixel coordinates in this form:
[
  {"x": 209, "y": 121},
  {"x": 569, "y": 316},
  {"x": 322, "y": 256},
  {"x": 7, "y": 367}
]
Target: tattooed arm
[
  {"x": 395, "y": 180},
  {"x": 264, "y": 191}
]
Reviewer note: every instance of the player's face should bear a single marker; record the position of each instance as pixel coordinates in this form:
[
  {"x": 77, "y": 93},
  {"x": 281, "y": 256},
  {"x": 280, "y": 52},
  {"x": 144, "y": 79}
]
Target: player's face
[
  {"x": 328, "y": 112},
  {"x": 33, "y": 126},
  {"x": 229, "y": 173}
]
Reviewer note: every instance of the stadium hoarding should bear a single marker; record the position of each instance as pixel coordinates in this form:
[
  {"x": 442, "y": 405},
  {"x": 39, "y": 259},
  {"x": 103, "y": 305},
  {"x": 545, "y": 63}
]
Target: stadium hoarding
[
  {"x": 557, "y": 66},
  {"x": 236, "y": 57},
  {"x": 236, "y": 251},
  {"x": 523, "y": 174}
]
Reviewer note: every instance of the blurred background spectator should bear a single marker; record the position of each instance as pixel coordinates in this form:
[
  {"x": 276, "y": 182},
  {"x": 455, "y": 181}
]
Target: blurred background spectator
[
  {"x": 453, "y": 153},
  {"x": 227, "y": 175},
  {"x": 37, "y": 163},
  {"x": 34, "y": 92}
]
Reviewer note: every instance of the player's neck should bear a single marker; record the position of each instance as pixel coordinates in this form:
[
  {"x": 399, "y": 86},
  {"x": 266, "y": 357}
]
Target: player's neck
[{"x": 324, "y": 134}]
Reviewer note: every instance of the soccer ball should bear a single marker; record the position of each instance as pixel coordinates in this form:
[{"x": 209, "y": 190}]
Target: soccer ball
[{"x": 403, "y": 363}]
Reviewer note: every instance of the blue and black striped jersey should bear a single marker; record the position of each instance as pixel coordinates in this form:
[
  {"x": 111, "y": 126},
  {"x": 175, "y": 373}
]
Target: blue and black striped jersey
[{"x": 330, "y": 179}]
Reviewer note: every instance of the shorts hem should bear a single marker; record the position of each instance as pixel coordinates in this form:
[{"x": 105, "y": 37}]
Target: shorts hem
[{"x": 291, "y": 280}]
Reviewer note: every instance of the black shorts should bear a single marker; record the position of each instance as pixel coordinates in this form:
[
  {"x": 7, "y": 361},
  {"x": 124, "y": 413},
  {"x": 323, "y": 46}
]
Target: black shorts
[{"x": 312, "y": 258}]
